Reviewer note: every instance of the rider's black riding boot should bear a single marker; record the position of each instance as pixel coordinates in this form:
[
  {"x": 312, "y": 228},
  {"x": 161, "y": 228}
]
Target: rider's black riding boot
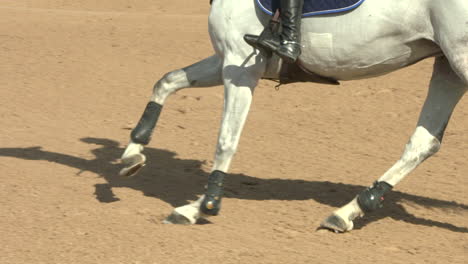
[
  {"x": 287, "y": 45},
  {"x": 268, "y": 40},
  {"x": 291, "y": 13}
]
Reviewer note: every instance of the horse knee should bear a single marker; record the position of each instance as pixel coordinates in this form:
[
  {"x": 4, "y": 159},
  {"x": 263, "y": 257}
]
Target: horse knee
[
  {"x": 168, "y": 84},
  {"x": 164, "y": 84}
]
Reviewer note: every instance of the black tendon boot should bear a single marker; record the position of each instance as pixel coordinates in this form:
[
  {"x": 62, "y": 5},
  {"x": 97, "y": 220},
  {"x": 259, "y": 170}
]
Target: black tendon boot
[{"x": 291, "y": 13}]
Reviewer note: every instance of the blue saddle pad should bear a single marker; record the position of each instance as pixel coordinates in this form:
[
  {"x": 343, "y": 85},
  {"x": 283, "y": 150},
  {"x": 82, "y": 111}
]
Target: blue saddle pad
[{"x": 313, "y": 7}]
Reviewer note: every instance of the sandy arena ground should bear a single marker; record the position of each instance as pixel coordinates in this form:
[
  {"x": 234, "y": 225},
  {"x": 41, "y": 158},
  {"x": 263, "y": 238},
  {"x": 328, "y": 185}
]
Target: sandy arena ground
[{"x": 75, "y": 77}]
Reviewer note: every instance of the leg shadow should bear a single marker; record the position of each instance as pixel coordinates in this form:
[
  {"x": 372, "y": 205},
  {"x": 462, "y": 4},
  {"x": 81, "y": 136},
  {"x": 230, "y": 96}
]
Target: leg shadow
[{"x": 178, "y": 181}]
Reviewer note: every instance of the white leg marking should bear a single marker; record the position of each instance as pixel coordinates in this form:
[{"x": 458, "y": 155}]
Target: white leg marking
[
  {"x": 446, "y": 89},
  {"x": 202, "y": 74},
  {"x": 237, "y": 105},
  {"x": 133, "y": 159},
  {"x": 132, "y": 149},
  {"x": 239, "y": 83},
  {"x": 190, "y": 213},
  {"x": 206, "y": 73},
  {"x": 342, "y": 219},
  {"x": 421, "y": 146}
]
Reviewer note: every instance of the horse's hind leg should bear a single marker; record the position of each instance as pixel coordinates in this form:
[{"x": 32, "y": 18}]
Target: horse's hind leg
[
  {"x": 446, "y": 89},
  {"x": 202, "y": 74}
]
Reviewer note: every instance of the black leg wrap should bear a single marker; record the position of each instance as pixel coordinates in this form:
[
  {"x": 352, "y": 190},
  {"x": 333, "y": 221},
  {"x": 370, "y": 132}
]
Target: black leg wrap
[
  {"x": 141, "y": 134},
  {"x": 214, "y": 192},
  {"x": 372, "y": 198}
]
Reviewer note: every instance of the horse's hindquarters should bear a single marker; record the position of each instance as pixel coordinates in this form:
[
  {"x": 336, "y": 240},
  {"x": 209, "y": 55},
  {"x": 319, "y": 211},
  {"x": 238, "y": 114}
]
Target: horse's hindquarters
[{"x": 450, "y": 22}]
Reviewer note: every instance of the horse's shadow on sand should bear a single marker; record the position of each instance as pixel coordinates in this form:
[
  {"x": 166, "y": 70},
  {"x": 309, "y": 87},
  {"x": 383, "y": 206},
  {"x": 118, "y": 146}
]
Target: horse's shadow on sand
[{"x": 178, "y": 181}]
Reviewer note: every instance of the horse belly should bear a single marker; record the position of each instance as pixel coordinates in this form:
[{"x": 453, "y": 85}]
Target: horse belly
[
  {"x": 342, "y": 61},
  {"x": 373, "y": 40}
]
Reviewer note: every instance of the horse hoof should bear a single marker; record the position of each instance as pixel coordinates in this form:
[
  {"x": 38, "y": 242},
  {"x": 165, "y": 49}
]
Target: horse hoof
[
  {"x": 176, "y": 218},
  {"x": 336, "y": 224},
  {"x": 133, "y": 164}
]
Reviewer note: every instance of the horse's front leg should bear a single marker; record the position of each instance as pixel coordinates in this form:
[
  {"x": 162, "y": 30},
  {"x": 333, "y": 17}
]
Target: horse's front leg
[
  {"x": 239, "y": 84},
  {"x": 446, "y": 89},
  {"x": 205, "y": 73}
]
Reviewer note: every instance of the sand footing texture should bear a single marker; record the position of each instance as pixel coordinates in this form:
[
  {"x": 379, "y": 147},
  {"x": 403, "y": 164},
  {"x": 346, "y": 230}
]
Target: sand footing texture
[{"x": 75, "y": 77}]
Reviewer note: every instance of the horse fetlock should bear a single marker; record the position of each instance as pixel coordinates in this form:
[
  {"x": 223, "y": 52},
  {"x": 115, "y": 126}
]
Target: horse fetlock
[
  {"x": 131, "y": 150},
  {"x": 372, "y": 198},
  {"x": 141, "y": 134},
  {"x": 211, "y": 204}
]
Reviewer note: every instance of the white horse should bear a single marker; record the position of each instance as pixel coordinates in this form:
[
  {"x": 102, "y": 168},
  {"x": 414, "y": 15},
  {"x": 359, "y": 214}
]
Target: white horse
[{"x": 377, "y": 38}]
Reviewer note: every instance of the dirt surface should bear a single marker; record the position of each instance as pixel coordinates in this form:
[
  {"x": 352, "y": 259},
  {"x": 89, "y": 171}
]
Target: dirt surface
[{"x": 75, "y": 77}]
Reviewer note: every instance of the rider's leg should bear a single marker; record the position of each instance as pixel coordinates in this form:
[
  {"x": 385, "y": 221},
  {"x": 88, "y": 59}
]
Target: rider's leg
[
  {"x": 291, "y": 12},
  {"x": 269, "y": 39},
  {"x": 287, "y": 45}
]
